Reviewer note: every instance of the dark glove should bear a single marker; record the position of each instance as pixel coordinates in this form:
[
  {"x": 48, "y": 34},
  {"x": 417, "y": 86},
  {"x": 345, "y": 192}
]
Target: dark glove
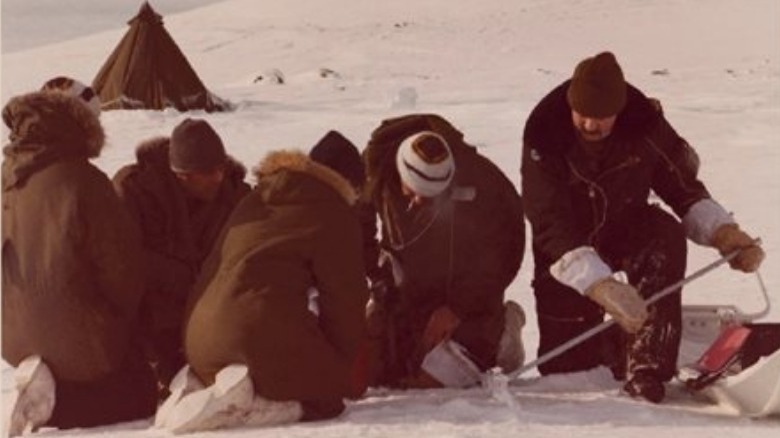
[
  {"x": 729, "y": 238},
  {"x": 441, "y": 325}
]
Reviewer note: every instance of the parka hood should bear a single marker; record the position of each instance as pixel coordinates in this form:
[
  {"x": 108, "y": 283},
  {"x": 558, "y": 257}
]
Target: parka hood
[
  {"x": 46, "y": 127},
  {"x": 154, "y": 153},
  {"x": 297, "y": 161}
]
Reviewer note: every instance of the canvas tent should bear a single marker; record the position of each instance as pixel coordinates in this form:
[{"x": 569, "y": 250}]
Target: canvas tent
[{"x": 147, "y": 70}]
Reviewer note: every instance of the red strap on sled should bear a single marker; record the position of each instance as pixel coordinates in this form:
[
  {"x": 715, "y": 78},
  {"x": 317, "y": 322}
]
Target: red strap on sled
[{"x": 724, "y": 352}]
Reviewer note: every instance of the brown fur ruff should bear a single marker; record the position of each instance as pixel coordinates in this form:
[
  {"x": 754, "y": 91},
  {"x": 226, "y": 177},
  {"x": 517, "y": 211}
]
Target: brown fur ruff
[{"x": 297, "y": 161}]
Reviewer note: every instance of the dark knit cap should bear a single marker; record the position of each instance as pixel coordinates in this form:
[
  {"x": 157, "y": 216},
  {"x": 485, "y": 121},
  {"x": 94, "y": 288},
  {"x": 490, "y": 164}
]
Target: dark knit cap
[
  {"x": 597, "y": 87},
  {"x": 195, "y": 147},
  {"x": 338, "y": 153}
]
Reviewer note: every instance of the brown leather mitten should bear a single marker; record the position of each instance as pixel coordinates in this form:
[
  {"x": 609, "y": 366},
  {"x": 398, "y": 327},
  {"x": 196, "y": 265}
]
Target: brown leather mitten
[
  {"x": 729, "y": 238},
  {"x": 621, "y": 301}
]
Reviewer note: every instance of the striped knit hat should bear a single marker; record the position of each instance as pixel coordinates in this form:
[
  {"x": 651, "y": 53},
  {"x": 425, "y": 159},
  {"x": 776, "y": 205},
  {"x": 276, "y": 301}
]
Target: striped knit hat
[
  {"x": 74, "y": 88},
  {"x": 425, "y": 163}
]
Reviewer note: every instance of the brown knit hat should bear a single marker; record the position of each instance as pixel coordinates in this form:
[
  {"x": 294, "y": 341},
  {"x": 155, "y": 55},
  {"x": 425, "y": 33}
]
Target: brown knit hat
[
  {"x": 597, "y": 87},
  {"x": 195, "y": 147}
]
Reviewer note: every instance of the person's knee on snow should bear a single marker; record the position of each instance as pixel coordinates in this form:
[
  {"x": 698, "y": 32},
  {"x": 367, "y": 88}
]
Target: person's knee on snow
[{"x": 229, "y": 402}]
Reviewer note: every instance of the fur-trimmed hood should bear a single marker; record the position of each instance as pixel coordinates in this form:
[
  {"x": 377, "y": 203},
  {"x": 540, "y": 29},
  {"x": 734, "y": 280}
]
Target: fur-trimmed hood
[
  {"x": 46, "y": 127},
  {"x": 154, "y": 153},
  {"x": 297, "y": 161}
]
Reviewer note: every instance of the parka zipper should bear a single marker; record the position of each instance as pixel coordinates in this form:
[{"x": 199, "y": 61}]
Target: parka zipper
[{"x": 595, "y": 189}]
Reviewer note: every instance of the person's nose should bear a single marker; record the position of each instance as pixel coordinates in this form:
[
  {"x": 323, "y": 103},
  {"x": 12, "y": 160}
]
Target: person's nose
[{"x": 590, "y": 124}]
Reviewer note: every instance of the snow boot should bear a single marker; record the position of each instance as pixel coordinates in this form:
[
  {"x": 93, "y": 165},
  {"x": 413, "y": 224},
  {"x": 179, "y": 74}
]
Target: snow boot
[
  {"x": 32, "y": 401},
  {"x": 221, "y": 405},
  {"x": 511, "y": 354},
  {"x": 264, "y": 412},
  {"x": 183, "y": 383},
  {"x": 645, "y": 384}
]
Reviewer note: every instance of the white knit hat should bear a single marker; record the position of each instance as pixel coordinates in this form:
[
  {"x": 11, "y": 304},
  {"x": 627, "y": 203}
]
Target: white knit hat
[
  {"x": 425, "y": 163},
  {"x": 74, "y": 88}
]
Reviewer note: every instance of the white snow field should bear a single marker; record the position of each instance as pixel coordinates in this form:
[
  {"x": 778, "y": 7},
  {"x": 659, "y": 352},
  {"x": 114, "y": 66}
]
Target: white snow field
[{"x": 483, "y": 64}]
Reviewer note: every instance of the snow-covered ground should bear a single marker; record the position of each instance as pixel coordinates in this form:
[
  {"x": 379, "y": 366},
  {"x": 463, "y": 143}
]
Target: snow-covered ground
[{"x": 715, "y": 65}]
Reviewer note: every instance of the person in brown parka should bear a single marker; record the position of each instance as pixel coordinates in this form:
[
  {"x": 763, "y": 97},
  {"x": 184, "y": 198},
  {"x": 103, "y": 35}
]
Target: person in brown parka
[
  {"x": 296, "y": 234},
  {"x": 452, "y": 241},
  {"x": 180, "y": 191},
  {"x": 72, "y": 274}
]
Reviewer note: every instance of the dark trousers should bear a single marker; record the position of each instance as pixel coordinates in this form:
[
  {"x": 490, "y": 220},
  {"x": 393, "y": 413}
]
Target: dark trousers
[
  {"x": 652, "y": 251},
  {"x": 164, "y": 351},
  {"x": 129, "y": 393},
  {"x": 395, "y": 346}
]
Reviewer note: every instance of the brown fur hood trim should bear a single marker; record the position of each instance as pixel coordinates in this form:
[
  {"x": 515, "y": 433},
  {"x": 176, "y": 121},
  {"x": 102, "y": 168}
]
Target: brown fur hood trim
[
  {"x": 297, "y": 161},
  {"x": 154, "y": 152},
  {"x": 54, "y": 120}
]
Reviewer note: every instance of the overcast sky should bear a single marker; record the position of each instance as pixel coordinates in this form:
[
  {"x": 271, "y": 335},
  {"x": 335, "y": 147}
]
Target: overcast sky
[{"x": 29, "y": 23}]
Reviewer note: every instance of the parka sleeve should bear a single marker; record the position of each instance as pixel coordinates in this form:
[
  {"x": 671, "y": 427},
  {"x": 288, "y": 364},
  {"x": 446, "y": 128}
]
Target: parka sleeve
[
  {"x": 547, "y": 202},
  {"x": 675, "y": 178},
  {"x": 163, "y": 271}
]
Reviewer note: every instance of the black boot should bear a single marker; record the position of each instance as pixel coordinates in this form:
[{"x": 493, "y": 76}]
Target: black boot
[{"x": 647, "y": 385}]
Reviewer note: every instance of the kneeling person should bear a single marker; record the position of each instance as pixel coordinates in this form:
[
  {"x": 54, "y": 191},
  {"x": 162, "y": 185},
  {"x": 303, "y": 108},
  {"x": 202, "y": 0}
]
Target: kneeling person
[
  {"x": 251, "y": 338},
  {"x": 452, "y": 242}
]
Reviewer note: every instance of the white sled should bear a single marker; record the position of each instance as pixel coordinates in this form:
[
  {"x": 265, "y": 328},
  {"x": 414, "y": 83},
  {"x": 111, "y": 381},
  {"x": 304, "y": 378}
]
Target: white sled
[
  {"x": 703, "y": 324},
  {"x": 754, "y": 392}
]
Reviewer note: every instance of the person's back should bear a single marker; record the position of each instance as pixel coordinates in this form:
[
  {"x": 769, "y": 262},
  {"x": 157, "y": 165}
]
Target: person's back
[
  {"x": 295, "y": 235},
  {"x": 72, "y": 278},
  {"x": 292, "y": 233}
]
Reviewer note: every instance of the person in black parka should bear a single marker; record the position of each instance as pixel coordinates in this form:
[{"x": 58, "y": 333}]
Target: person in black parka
[
  {"x": 452, "y": 241},
  {"x": 595, "y": 152}
]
